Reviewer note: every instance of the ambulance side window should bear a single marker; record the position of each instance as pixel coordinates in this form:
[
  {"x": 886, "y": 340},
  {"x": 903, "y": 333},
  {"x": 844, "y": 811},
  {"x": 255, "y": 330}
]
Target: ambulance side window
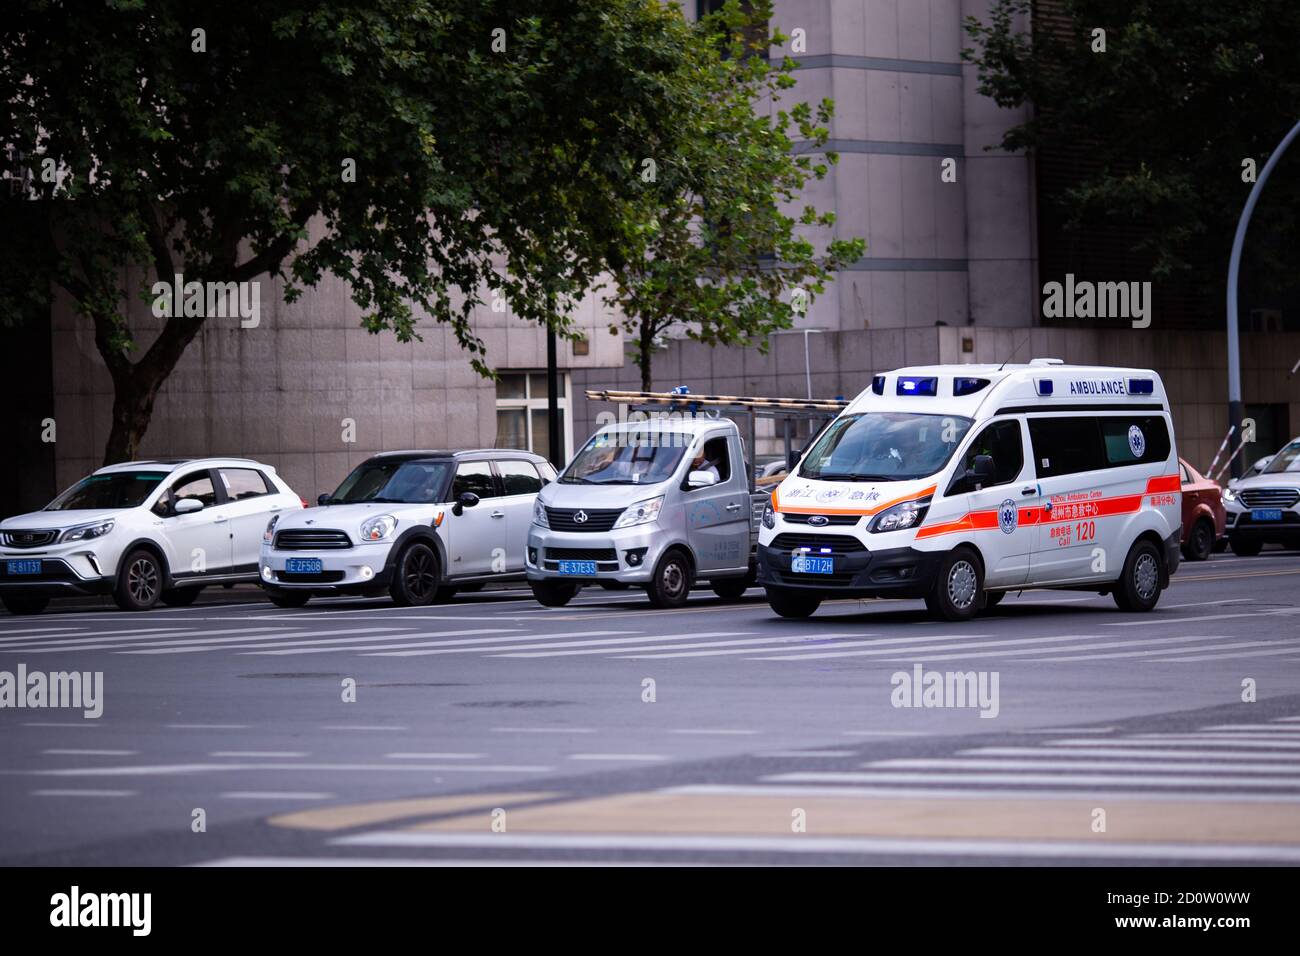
[
  {"x": 1001, "y": 441},
  {"x": 1066, "y": 445}
]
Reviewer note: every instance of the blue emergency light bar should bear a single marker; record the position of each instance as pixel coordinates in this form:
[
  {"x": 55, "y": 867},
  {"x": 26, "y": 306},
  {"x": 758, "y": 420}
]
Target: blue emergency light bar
[{"x": 910, "y": 385}]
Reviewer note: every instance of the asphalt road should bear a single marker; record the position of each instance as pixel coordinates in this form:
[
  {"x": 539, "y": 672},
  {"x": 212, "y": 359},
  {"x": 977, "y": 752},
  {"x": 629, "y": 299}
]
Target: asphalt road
[{"x": 495, "y": 730}]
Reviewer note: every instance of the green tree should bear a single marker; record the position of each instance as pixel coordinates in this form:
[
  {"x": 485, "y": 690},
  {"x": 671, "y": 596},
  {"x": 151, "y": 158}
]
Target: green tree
[
  {"x": 495, "y": 145},
  {"x": 723, "y": 256},
  {"x": 1185, "y": 92}
]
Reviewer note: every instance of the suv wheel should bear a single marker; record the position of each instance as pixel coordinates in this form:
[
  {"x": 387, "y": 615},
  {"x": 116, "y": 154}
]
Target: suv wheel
[
  {"x": 958, "y": 591},
  {"x": 282, "y": 598},
  {"x": 553, "y": 593},
  {"x": 1245, "y": 547},
  {"x": 671, "y": 584},
  {"x": 22, "y": 605},
  {"x": 1200, "y": 543},
  {"x": 415, "y": 576},
  {"x": 1138, "y": 587},
  {"x": 793, "y": 604},
  {"x": 180, "y": 597},
  {"x": 139, "y": 581}
]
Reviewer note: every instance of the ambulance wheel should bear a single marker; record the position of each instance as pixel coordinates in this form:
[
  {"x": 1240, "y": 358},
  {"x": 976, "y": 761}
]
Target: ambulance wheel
[
  {"x": 1138, "y": 587},
  {"x": 958, "y": 587},
  {"x": 553, "y": 593},
  {"x": 793, "y": 604},
  {"x": 1245, "y": 547},
  {"x": 1200, "y": 543}
]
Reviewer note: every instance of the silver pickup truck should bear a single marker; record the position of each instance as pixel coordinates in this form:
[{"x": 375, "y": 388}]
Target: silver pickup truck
[{"x": 658, "y": 504}]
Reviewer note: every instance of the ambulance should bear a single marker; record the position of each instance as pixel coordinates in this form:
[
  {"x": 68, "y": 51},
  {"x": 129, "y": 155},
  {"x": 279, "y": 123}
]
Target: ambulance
[{"x": 958, "y": 484}]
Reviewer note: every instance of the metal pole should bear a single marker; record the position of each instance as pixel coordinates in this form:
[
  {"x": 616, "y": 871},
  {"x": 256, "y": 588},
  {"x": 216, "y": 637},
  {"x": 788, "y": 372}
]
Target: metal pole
[
  {"x": 553, "y": 396},
  {"x": 1235, "y": 410},
  {"x": 807, "y": 362}
]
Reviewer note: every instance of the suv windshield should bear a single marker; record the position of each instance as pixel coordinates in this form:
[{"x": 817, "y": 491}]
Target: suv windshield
[
  {"x": 401, "y": 482},
  {"x": 884, "y": 446},
  {"x": 119, "y": 489},
  {"x": 1288, "y": 459},
  {"x": 627, "y": 458}
]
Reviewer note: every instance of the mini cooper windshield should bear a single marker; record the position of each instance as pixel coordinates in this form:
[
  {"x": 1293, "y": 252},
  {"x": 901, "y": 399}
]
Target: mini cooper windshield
[
  {"x": 393, "y": 482},
  {"x": 627, "y": 458},
  {"x": 118, "y": 489},
  {"x": 884, "y": 446}
]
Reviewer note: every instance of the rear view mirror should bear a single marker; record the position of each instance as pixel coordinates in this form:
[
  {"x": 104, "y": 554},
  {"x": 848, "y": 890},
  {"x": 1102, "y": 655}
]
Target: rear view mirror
[
  {"x": 188, "y": 506},
  {"x": 323, "y": 499},
  {"x": 982, "y": 470},
  {"x": 466, "y": 499},
  {"x": 701, "y": 479}
]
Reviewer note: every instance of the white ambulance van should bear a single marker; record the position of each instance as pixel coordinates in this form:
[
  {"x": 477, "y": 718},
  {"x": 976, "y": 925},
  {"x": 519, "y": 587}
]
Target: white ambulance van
[{"x": 960, "y": 483}]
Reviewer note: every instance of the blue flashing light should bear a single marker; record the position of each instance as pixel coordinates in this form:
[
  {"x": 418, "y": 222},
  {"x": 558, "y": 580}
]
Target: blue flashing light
[
  {"x": 1044, "y": 386},
  {"x": 878, "y": 385},
  {"x": 968, "y": 386},
  {"x": 1141, "y": 386},
  {"x": 909, "y": 385}
]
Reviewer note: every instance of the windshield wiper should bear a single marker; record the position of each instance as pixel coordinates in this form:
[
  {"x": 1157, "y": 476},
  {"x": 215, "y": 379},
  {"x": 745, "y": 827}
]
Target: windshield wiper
[{"x": 575, "y": 480}]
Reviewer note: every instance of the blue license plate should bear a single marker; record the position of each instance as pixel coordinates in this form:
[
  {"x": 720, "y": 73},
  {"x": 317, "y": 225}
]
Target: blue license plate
[
  {"x": 1266, "y": 514},
  {"x": 587, "y": 568},
  {"x": 807, "y": 564},
  {"x": 303, "y": 566},
  {"x": 24, "y": 567}
]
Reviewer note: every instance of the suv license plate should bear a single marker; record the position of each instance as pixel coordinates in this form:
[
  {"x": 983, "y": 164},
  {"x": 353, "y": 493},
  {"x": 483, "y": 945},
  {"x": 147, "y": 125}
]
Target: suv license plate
[
  {"x": 1266, "y": 514},
  {"x": 24, "y": 567},
  {"x": 802, "y": 564},
  {"x": 578, "y": 567},
  {"x": 303, "y": 566}
]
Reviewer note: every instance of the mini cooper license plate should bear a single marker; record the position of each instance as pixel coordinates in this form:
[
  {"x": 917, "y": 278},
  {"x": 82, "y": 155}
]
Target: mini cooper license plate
[
  {"x": 807, "y": 564},
  {"x": 1266, "y": 514},
  {"x": 303, "y": 566},
  {"x": 578, "y": 567},
  {"x": 24, "y": 567}
]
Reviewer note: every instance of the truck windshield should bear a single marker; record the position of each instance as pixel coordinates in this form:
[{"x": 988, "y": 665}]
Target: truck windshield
[
  {"x": 118, "y": 489},
  {"x": 627, "y": 458},
  {"x": 406, "y": 482},
  {"x": 884, "y": 446},
  {"x": 1288, "y": 459}
]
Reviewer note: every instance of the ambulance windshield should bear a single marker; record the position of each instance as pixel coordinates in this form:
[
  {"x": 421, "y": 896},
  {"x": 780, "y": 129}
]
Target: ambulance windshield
[{"x": 884, "y": 446}]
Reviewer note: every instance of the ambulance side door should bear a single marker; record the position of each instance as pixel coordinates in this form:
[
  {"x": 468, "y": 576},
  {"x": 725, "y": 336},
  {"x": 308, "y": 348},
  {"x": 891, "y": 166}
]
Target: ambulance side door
[{"x": 1070, "y": 465}]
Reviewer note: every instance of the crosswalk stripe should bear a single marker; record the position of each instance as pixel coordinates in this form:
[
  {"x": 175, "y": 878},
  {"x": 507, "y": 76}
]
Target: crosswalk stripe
[
  {"x": 1163, "y": 653},
  {"x": 415, "y": 640},
  {"x": 1117, "y": 749},
  {"x": 1021, "y": 646},
  {"x": 751, "y": 642},
  {"x": 529, "y": 647},
  {"x": 896, "y": 792},
  {"x": 1281, "y": 649},
  {"x": 179, "y": 648},
  {"x": 133, "y": 636},
  {"x": 1226, "y": 741},
  {"x": 1274, "y": 728},
  {"x": 9, "y": 635},
  {"x": 170, "y": 639},
  {"x": 1176, "y": 620},
  {"x": 1047, "y": 763},
  {"x": 1058, "y": 779}
]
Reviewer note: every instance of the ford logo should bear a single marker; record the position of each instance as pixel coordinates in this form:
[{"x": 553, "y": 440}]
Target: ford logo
[
  {"x": 819, "y": 521},
  {"x": 580, "y": 517}
]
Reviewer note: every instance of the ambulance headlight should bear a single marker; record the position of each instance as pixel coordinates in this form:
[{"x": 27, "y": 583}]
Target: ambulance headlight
[{"x": 900, "y": 517}]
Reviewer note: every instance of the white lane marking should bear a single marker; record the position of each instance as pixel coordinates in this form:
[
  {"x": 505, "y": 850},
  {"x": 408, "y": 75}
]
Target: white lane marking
[
  {"x": 84, "y": 752},
  {"x": 529, "y": 647},
  {"x": 324, "y": 637},
  {"x": 885, "y": 733},
  {"x": 1118, "y": 750},
  {"x": 54, "y": 723},
  {"x": 36, "y": 630},
  {"x": 165, "y": 636},
  {"x": 180, "y": 769},
  {"x": 1164, "y": 653},
  {"x": 1150, "y": 621},
  {"x": 1280, "y": 649},
  {"x": 1066, "y": 730},
  {"x": 208, "y": 726},
  {"x": 220, "y": 643},
  {"x": 258, "y": 754},
  {"x": 1172, "y": 607},
  {"x": 802, "y": 843},
  {"x": 440, "y": 862},
  {"x": 751, "y": 643},
  {"x": 715, "y": 731},
  {"x": 465, "y": 646},
  {"x": 1059, "y": 779},
  {"x": 1272, "y": 728},
  {"x": 813, "y": 636},
  {"x": 275, "y": 795},
  {"x": 543, "y": 730},
  {"x": 1022, "y": 645},
  {"x": 1174, "y": 741},
  {"x": 618, "y": 757},
  {"x": 419, "y": 756},
  {"x": 1273, "y": 739},
  {"x": 781, "y": 754},
  {"x": 887, "y": 792},
  {"x": 386, "y": 727},
  {"x": 84, "y": 793},
  {"x": 1048, "y": 763}
]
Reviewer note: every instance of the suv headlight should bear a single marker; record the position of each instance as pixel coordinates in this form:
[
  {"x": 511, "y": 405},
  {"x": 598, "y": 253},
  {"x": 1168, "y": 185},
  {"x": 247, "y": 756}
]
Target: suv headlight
[
  {"x": 84, "y": 532},
  {"x": 900, "y": 517},
  {"x": 643, "y": 512},
  {"x": 769, "y": 516},
  {"x": 539, "y": 514},
  {"x": 378, "y": 528},
  {"x": 269, "y": 534},
  {"x": 1229, "y": 495}
]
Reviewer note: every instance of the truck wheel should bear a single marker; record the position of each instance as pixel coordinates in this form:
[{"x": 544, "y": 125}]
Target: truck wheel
[
  {"x": 139, "y": 581},
  {"x": 1138, "y": 587},
  {"x": 288, "y": 598},
  {"x": 958, "y": 591},
  {"x": 671, "y": 584},
  {"x": 553, "y": 593},
  {"x": 180, "y": 597},
  {"x": 1245, "y": 547},
  {"x": 1200, "y": 543},
  {"x": 415, "y": 576},
  {"x": 21, "y": 605},
  {"x": 793, "y": 604}
]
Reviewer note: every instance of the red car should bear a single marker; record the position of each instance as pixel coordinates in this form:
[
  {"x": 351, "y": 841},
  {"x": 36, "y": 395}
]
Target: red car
[{"x": 1204, "y": 519}]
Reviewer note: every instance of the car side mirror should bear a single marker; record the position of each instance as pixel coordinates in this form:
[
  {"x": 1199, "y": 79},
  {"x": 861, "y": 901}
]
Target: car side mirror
[
  {"x": 792, "y": 460},
  {"x": 982, "y": 470},
  {"x": 323, "y": 499},
  {"x": 701, "y": 479},
  {"x": 466, "y": 499},
  {"x": 188, "y": 506}
]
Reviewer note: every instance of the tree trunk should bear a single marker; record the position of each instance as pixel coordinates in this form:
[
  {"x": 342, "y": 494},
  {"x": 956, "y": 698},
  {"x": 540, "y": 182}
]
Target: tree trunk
[{"x": 133, "y": 400}]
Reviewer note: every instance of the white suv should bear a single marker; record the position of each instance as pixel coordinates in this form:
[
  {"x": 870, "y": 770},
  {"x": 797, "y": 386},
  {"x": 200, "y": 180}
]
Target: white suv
[
  {"x": 143, "y": 531},
  {"x": 1265, "y": 508},
  {"x": 418, "y": 525}
]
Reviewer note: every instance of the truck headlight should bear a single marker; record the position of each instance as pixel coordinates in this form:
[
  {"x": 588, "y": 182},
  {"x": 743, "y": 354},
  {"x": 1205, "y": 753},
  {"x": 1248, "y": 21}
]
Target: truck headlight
[
  {"x": 269, "y": 534},
  {"x": 539, "y": 514},
  {"x": 84, "y": 532},
  {"x": 900, "y": 517},
  {"x": 643, "y": 512},
  {"x": 769, "y": 516},
  {"x": 378, "y": 528}
]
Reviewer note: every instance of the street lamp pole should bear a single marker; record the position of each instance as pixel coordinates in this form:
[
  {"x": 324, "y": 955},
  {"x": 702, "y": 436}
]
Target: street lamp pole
[
  {"x": 556, "y": 453},
  {"x": 1235, "y": 410}
]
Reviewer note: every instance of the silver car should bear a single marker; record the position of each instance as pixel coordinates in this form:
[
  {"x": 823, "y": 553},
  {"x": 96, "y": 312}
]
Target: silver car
[{"x": 657, "y": 504}]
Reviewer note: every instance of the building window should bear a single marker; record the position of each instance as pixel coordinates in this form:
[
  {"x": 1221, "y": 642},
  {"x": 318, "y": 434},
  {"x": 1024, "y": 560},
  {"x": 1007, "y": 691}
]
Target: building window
[{"x": 521, "y": 413}]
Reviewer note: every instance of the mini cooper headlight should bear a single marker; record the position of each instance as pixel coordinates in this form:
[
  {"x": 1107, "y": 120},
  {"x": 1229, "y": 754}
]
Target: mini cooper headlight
[
  {"x": 84, "y": 532},
  {"x": 378, "y": 528},
  {"x": 900, "y": 517},
  {"x": 269, "y": 533},
  {"x": 539, "y": 514},
  {"x": 769, "y": 516},
  {"x": 643, "y": 512}
]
